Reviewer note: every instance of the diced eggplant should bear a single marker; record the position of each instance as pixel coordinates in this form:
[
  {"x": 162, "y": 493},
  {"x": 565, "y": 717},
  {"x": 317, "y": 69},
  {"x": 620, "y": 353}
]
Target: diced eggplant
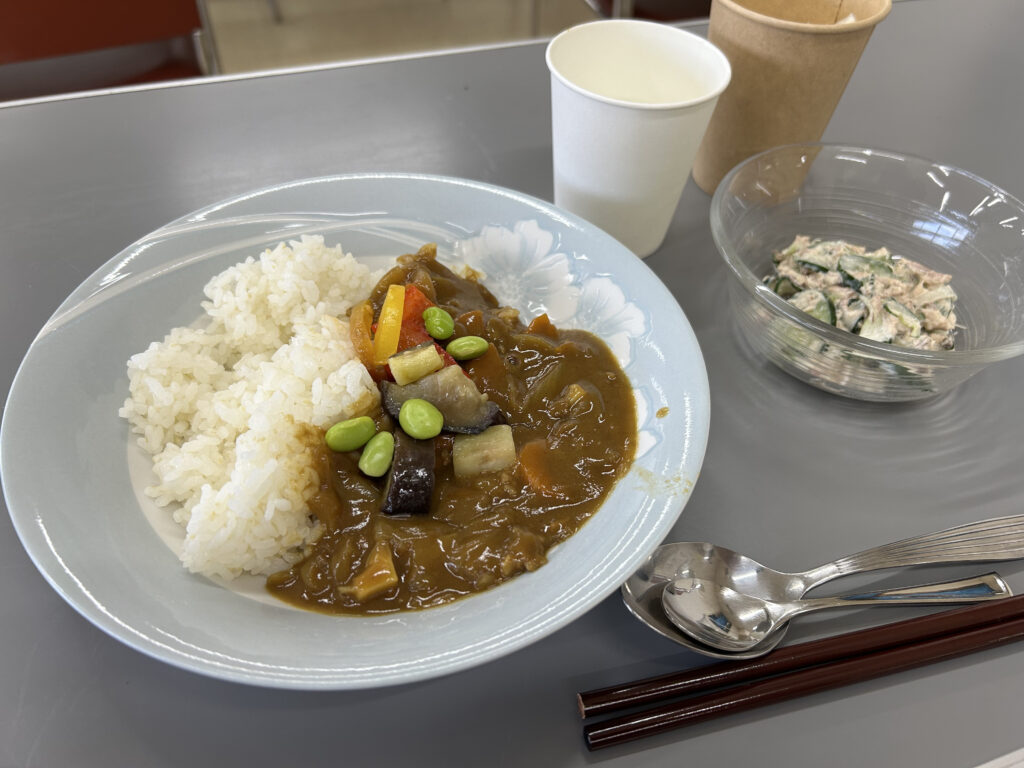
[
  {"x": 410, "y": 483},
  {"x": 454, "y": 394}
]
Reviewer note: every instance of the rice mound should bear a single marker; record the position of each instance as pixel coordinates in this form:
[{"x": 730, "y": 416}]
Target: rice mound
[{"x": 222, "y": 405}]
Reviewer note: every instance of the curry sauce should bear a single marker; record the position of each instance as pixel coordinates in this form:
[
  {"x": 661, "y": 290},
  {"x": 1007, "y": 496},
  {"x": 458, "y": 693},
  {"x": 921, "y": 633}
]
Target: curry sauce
[{"x": 572, "y": 417}]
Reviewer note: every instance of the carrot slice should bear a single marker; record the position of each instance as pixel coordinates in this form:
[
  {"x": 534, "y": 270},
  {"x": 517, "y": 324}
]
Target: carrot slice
[
  {"x": 534, "y": 465},
  {"x": 542, "y": 326},
  {"x": 472, "y": 322},
  {"x": 360, "y": 325}
]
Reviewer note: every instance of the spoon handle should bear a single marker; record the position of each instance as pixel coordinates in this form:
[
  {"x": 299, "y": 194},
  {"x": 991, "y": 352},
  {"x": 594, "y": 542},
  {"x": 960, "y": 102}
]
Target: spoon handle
[
  {"x": 1000, "y": 538},
  {"x": 989, "y": 586}
]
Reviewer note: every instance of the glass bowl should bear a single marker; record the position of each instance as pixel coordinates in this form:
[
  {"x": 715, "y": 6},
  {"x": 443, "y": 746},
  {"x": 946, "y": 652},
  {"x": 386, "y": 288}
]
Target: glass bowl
[{"x": 943, "y": 217}]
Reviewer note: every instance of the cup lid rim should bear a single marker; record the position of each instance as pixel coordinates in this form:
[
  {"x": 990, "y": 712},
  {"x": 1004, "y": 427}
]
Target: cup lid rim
[
  {"x": 808, "y": 27},
  {"x": 712, "y": 94}
]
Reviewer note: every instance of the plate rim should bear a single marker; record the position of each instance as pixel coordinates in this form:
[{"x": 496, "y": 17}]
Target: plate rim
[{"x": 110, "y": 626}]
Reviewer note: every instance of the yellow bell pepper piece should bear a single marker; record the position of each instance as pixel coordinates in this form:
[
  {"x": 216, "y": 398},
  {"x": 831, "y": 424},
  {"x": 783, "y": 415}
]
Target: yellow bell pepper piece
[{"x": 389, "y": 324}]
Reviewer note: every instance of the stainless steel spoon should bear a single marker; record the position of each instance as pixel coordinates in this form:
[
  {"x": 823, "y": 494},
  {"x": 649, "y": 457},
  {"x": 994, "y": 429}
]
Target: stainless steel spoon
[
  {"x": 732, "y": 621},
  {"x": 986, "y": 541}
]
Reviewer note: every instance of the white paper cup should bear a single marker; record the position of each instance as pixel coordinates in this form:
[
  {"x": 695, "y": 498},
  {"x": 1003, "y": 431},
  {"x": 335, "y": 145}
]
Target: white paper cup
[{"x": 630, "y": 101}]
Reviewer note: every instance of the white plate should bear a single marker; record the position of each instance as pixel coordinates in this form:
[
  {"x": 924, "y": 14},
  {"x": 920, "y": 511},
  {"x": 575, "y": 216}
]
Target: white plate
[{"x": 71, "y": 495}]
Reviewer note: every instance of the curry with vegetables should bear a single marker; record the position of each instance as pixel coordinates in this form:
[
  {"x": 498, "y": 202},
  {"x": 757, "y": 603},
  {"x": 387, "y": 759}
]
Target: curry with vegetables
[{"x": 495, "y": 440}]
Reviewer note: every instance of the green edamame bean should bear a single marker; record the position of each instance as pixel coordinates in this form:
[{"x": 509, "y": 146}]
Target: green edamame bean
[
  {"x": 438, "y": 323},
  {"x": 467, "y": 347},
  {"x": 377, "y": 455},
  {"x": 350, "y": 434},
  {"x": 420, "y": 419}
]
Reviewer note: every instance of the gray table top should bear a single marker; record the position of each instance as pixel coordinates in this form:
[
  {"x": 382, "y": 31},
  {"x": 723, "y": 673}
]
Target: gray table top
[{"x": 81, "y": 178}]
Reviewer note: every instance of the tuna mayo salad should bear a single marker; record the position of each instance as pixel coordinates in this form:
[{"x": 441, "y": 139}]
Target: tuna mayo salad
[{"x": 875, "y": 294}]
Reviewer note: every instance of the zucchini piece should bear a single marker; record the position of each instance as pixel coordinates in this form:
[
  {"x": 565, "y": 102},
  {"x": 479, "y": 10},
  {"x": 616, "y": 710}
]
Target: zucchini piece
[
  {"x": 816, "y": 304},
  {"x": 490, "y": 451},
  {"x": 413, "y": 364}
]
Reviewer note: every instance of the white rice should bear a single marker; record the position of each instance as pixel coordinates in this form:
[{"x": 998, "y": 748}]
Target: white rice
[{"x": 220, "y": 405}]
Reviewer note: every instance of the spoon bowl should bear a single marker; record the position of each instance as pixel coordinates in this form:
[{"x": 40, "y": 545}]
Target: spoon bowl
[
  {"x": 985, "y": 541},
  {"x": 733, "y": 621},
  {"x": 642, "y": 595}
]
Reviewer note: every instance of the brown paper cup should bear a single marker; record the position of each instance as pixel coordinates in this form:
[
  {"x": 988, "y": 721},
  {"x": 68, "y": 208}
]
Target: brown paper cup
[{"x": 791, "y": 61}]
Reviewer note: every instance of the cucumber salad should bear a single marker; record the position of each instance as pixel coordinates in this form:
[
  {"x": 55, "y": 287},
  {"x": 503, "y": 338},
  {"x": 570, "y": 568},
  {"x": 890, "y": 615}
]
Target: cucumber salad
[{"x": 874, "y": 294}]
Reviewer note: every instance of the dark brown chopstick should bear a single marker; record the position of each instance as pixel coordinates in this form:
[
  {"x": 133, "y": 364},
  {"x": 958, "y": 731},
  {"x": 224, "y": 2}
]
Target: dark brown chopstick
[
  {"x": 604, "y": 700},
  {"x": 953, "y": 633},
  {"x": 619, "y": 730}
]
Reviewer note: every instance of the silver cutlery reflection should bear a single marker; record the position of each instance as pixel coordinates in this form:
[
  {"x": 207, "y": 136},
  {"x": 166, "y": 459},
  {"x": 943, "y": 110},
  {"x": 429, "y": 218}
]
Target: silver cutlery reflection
[
  {"x": 732, "y": 621},
  {"x": 986, "y": 541}
]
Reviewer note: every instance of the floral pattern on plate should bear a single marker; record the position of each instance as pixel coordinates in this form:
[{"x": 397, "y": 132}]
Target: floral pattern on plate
[{"x": 524, "y": 268}]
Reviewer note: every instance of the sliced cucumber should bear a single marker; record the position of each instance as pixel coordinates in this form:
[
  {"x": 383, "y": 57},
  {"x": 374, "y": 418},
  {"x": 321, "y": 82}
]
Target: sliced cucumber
[
  {"x": 850, "y": 314},
  {"x": 904, "y": 315},
  {"x": 818, "y": 259},
  {"x": 850, "y": 281},
  {"x": 879, "y": 267},
  {"x": 815, "y": 304},
  {"x": 941, "y": 293},
  {"x": 784, "y": 287},
  {"x": 878, "y": 326},
  {"x": 855, "y": 265},
  {"x": 780, "y": 256}
]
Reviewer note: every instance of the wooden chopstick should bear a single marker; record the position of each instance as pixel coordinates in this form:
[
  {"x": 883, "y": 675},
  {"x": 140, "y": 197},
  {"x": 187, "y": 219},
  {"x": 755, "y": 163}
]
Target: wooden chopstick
[
  {"x": 800, "y": 670},
  {"x": 791, "y": 685},
  {"x": 604, "y": 700}
]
